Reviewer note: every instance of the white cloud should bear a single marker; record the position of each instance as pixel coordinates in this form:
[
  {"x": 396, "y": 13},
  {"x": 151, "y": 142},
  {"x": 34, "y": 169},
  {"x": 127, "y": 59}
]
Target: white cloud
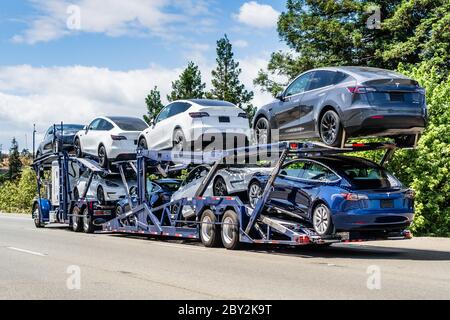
[
  {"x": 240, "y": 43},
  {"x": 113, "y": 18},
  {"x": 257, "y": 15},
  {"x": 77, "y": 94}
]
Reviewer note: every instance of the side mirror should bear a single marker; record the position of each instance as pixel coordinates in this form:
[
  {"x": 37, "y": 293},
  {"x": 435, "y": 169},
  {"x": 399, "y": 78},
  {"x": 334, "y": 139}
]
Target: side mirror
[
  {"x": 86, "y": 129},
  {"x": 280, "y": 96},
  {"x": 133, "y": 190},
  {"x": 152, "y": 122}
]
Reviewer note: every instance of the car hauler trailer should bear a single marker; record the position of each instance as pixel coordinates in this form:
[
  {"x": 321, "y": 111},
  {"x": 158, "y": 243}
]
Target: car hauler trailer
[
  {"x": 55, "y": 203},
  {"x": 227, "y": 220}
]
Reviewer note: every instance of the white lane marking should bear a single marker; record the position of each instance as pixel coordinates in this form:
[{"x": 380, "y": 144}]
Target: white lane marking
[
  {"x": 179, "y": 246},
  {"x": 27, "y": 251}
]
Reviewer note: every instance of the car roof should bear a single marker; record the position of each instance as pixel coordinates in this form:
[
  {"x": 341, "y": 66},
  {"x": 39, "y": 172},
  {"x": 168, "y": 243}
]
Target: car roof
[
  {"x": 209, "y": 102},
  {"x": 365, "y": 73},
  {"x": 337, "y": 161},
  {"x": 168, "y": 181},
  {"x": 118, "y": 118}
]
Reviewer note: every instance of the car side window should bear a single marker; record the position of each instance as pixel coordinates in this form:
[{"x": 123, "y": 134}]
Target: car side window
[
  {"x": 317, "y": 172},
  {"x": 196, "y": 174},
  {"x": 299, "y": 85},
  {"x": 294, "y": 169},
  {"x": 94, "y": 124},
  {"x": 178, "y": 107},
  {"x": 322, "y": 79},
  {"x": 164, "y": 114},
  {"x": 152, "y": 187},
  {"x": 340, "y": 77},
  {"x": 105, "y": 125},
  {"x": 49, "y": 132}
]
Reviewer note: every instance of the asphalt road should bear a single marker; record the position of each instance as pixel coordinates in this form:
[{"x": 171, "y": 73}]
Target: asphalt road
[{"x": 45, "y": 264}]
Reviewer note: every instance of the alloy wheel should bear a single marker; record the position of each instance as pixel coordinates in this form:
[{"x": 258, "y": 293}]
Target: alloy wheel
[
  {"x": 329, "y": 127},
  {"x": 220, "y": 188},
  {"x": 321, "y": 220},
  {"x": 262, "y": 131},
  {"x": 254, "y": 193}
]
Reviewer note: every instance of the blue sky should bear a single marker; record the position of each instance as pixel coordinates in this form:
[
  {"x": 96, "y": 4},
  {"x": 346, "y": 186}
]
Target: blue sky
[{"x": 76, "y": 59}]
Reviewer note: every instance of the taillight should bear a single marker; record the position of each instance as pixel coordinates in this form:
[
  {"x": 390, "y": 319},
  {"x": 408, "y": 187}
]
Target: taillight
[
  {"x": 118, "y": 138},
  {"x": 410, "y": 194},
  {"x": 360, "y": 89},
  {"x": 421, "y": 90},
  {"x": 354, "y": 196},
  {"x": 293, "y": 146},
  {"x": 243, "y": 115},
  {"x": 198, "y": 114}
]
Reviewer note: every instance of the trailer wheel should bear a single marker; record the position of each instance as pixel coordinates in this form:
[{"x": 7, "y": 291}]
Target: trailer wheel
[
  {"x": 230, "y": 230},
  {"x": 209, "y": 233},
  {"x": 88, "y": 226},
  {"x": 76, "y": 220},
  {"x": 36, "y": 216}
]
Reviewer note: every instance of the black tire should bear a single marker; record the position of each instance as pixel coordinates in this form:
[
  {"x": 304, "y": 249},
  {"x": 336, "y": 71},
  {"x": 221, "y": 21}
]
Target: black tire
[
  {"x": 209, "y": 231},
  {"x": 178, "y": 140},
  {"x": 77, "y": 147},
  {"x": 76, "y": 194},
  {"x": 230, "y": 230},
  {"x": 101, "y": 195},
  {"x": 220, "y": 188},
  {"x": 76, "y": 220},
  {"x": 88, "y": 226},
  {"x": 118, "y": 211},
  {"x": 262, "y": 131},
  {"x": 37, "y": 216},
  {"x": 254, "y": 192},
  {"x": 406, "y": 141},
  {"x": 143, "y": 143},
  {"x": 321, "y": 220},
  {"x": 330, "y": 129},
  {"x": 103, "y": 157}
]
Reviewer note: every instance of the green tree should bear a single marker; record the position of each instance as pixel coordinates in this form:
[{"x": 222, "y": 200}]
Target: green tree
[
  {"x": 331, "y": 33},
  {"x": 14, "y": 159},
  {"x": 154, "y": 105},
  {"x": 189, "y": 85},
  {"x": 225, "y": 79}
]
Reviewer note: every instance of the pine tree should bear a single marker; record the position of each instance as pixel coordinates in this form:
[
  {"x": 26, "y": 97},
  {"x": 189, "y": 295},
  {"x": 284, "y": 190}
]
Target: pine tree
[
  {"x": 154, "y": 105},
  {"x": 189, "y": 85},
  {"x": 226, "y": 83},
  {"x": 14, "y": 159}
]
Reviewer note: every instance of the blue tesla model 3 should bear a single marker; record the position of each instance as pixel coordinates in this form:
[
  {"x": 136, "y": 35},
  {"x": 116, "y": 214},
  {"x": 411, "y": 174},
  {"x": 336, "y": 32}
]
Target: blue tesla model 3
[{"x": 338, "y": 194}]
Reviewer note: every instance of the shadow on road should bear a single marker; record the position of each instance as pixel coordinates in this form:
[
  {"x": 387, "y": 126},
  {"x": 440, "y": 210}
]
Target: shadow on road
[{"x": 335, "y": 251}]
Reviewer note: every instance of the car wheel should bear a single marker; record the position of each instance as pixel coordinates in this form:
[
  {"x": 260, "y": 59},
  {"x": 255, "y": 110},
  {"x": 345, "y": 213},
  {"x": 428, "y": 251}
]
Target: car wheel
[
  {"x": 119, "y": 210},
  {"x": 321, "y": 220},
  {"x": 209, "y": 233},
  {"x": 179, "y": 140},
  {"x": 262, "y": 129},
  {"x": 143, "y": 143},
  {"x": 77, "y": 146},
  {"x": 220, "y": 188},
  {"x": 76, "y": 219},
  {"x": 331, "y": 129},
  {"x": 254, "y": 193},
  {"x": 101, "y": 195},
  {"x": 76, "y": 194},
  {"x": 102, "y": 157},
  {"x": 37, "y": 216},
  {"x": 406, "y": 141},
  {"x": 88, "y": 226},
  {"x": 230, "y": 230}
]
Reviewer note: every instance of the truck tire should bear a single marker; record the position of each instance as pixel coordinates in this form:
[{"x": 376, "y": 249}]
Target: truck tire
[
  {"x": 37, "y": 216},
  {"x": 230, "y": 230},
  {"x": 88, "y": 226},
  {"x": 209, "y": 233},
  {"x": 76, "y": 220}
]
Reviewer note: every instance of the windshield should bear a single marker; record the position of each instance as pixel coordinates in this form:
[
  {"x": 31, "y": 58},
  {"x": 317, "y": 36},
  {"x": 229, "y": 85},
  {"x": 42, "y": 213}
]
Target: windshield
[
  {"x": 70, "y": 127},
  {"x": 171, "y": 187},
  {"x": 369, "y": 177},
  {"x": 130, "y": 124}
]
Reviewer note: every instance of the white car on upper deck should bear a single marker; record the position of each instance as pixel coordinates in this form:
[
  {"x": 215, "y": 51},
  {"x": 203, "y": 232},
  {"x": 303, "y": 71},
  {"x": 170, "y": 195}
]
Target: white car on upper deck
[{"x": 201, "y": 123}]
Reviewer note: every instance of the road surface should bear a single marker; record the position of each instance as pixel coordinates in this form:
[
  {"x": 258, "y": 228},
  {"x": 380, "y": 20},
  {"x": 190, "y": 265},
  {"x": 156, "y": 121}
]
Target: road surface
[{"x": 55, "y": 263}]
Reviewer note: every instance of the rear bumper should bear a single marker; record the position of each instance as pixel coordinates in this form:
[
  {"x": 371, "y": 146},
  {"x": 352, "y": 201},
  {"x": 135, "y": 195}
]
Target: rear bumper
[
  {"x": 388, "y": 125},
  {"x": 372, "y": 221}
]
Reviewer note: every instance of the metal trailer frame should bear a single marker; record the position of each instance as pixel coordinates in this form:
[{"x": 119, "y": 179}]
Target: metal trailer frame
[
  {"x": 253, "y": 226},
  {"x": 62, "y": 212}
]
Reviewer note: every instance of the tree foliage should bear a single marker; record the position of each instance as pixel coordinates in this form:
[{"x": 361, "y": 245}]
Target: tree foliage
[
  {"x": 154, "y": 105},
  {"x": 17, "y": 195},
  {"x": 14, "y": 159},
  {"x": 189, "y": 85},
  {"x": 331, "y": 33},
  {"x": 225, "y": 79}
]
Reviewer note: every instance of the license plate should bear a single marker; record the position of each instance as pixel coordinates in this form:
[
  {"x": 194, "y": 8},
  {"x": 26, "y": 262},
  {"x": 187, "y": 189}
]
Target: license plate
[
  {"x": 397, "y": 97},
  {"x": 224, "y": 119},
  {"x": 387, "y": 204}
]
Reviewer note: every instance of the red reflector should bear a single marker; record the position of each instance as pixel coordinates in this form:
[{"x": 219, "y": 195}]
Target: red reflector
[
  {"x": 293, "y": 146},
  {"x": 358, "y": 145},
  {"x": 377, "y": 117}
]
